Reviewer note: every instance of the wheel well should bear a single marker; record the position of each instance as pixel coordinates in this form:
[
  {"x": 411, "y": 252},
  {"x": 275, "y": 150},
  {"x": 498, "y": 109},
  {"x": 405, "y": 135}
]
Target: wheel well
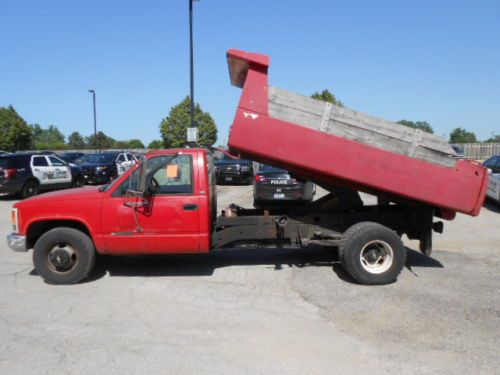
[
  {"x": 35, "y": 180},
  {"x": 36, "y": 230}
]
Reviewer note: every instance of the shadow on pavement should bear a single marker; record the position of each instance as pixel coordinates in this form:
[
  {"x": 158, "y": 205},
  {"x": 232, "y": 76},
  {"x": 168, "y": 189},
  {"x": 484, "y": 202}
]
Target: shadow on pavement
[
  {"x": 8, "y": 197},
  {"x": 206, "y": 264}
]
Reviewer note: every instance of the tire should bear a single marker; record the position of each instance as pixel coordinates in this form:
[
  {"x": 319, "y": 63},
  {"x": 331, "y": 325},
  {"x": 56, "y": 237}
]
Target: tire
[
  {"x": 30, "y": 189},
  {"x": 257, "y": 203},
  {"x": 78, "y": 182},
  {"x": 64, "y": 256},
  {"x": 372, "y": 254}
]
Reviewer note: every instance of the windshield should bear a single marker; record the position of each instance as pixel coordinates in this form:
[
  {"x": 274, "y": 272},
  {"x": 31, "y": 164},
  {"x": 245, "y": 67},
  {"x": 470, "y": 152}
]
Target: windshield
[
  {"x": 225, "y": 157},
  {"x": 101, "y": 158}
]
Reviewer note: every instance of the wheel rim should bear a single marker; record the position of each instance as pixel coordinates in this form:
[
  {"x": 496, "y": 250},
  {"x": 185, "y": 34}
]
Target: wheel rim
[
  {"x": 376, "y": 257},
  {"x": 62, "y": 258}
]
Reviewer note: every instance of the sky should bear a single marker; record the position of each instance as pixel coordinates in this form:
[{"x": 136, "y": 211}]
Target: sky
[{"x": 420, "y": 60}]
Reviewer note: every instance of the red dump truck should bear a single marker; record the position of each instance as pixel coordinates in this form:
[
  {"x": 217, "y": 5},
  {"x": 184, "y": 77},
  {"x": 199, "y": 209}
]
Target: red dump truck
[{"x": 167, "y": 203}]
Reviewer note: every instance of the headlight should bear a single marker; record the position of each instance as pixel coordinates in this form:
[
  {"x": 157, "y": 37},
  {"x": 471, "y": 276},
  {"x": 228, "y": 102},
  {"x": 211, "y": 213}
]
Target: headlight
[
  {"x": 100, "y": 169},
  {"x": 14, "y": 216}
]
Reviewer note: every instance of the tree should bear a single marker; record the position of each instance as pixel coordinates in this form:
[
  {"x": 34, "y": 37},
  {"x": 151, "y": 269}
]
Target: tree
[
  {"x": 422, "y": 125},
  {"x": 103, "y": 141},
  {"x": 15, "y": 133},
  {"x": 76, "y": 141},
  {"x": 173, "y": 128},
  {"x": 327, "y": 96},
  {"x": 135, "y": 144},
  {"x": 493, "y": 139},
  {"x": 460, "y": 135},
  {"x": 120, "y": 145},
  {"x": 155, "y": 145},
  {"x": 48, "y": 139}
]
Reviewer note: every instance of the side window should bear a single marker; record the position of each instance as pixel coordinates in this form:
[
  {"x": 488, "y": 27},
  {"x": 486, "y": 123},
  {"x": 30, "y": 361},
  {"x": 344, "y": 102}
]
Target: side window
[
  {"x": 176, "y": 177},
  {"x": 128, "y": 184},
  {"x": 56, "y": 162},
  {"x": 130, "y": 157},
  {"x": 121, "y": 158},
  {"x": 40, "y": 161}
]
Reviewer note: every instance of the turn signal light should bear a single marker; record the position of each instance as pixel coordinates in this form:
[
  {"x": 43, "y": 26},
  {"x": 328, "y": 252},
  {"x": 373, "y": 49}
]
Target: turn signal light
[
  {"x": 259, "y": 178},
  {"x": 15, "y": 220}
]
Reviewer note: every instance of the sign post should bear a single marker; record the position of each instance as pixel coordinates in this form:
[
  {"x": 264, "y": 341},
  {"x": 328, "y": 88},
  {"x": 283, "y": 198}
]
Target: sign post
[{"x": 192, "y": 135}]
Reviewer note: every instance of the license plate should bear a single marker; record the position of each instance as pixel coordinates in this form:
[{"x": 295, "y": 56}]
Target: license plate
[
  {"x": 279, "y": 196},
  {"x": 229, "y": 179}
]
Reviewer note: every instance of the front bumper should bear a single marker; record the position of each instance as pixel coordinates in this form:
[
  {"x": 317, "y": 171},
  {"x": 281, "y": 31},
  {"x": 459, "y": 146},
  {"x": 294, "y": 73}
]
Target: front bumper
[
  {"x": 98, "y": 178},
  {"x": 17, "y": 242}
]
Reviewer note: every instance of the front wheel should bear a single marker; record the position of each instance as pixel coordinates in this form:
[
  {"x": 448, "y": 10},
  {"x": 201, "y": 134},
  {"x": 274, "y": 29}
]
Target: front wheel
[
  {"x": 64, "y": 256},
  {"x": 372, "y": 254}
]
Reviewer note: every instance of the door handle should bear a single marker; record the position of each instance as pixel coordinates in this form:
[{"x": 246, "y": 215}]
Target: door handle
[{"x": 190, "y": 207}]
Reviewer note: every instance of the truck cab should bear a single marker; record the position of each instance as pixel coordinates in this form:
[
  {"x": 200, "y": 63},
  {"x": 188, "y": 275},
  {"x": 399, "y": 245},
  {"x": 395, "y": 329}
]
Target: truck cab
[{"x": 174, "y": 214}]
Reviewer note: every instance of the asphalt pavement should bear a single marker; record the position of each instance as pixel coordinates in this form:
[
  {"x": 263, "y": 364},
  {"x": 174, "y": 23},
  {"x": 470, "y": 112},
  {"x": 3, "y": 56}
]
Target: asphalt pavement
[{"x": 259, "y": 311}]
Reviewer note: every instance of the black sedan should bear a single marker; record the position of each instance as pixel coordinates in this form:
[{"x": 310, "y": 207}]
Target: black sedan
[{"x": 275, "y": 186}]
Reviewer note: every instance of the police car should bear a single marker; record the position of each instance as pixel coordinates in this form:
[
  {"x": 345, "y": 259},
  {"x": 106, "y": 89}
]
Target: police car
[
  {"x": 28, "y": 174},
  {"x": 103, "y": 167}
]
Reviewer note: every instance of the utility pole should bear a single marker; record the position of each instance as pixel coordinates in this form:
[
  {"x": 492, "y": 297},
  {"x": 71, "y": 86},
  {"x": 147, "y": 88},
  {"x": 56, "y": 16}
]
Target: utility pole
[
  {"x": 95, "y": 119},
  {"x": 191, "y": 74}
]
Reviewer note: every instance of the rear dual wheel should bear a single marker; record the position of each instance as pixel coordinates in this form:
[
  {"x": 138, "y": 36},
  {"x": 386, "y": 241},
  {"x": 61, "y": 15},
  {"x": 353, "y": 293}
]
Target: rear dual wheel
[{"x": 372, "y": 254}]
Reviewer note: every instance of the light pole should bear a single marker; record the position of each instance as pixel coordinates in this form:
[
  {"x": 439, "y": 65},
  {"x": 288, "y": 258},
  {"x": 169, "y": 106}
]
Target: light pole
[
  {"x": 191, "y": 61},
  {"x": 95, "y": 119}
]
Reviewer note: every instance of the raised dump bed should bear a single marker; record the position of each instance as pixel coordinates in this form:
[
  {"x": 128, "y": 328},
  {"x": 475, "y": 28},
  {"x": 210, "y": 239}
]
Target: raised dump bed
[{"x": 334, "y": 145}]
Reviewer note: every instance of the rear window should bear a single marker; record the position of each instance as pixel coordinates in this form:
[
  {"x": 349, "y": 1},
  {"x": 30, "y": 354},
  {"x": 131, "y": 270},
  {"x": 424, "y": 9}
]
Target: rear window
[
  {"x": 5, "y": 163},
  {"x": 14, "y": 161},
  {"x": 271, "y": 169}
]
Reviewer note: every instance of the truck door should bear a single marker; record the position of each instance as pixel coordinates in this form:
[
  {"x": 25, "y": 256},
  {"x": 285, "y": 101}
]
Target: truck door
[{"x": 167, "y": 221}]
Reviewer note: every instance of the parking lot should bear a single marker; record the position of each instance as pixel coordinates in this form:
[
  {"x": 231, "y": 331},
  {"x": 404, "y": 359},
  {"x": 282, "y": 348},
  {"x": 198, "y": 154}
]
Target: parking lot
[{"x": 259, "y": 311}]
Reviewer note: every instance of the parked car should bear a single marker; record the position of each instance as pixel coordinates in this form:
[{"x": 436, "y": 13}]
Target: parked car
[
  {"x": 4, "y": 152},
  {"x": 230, "y": 170},
  {"x": 493, "y": 191},
  {"x": 493, "y": 164},
  {"x": 71, "y": 157},
  {"x": 30, "y": 173},
  {"x": 102, "y": 168},
  {"x": 275, "y": 185}
]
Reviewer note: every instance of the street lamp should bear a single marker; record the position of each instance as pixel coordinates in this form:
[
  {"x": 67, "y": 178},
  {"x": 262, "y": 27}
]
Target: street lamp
[
  {"x": 95, "y": 119},
  {"x": 191, "y": 62}
]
